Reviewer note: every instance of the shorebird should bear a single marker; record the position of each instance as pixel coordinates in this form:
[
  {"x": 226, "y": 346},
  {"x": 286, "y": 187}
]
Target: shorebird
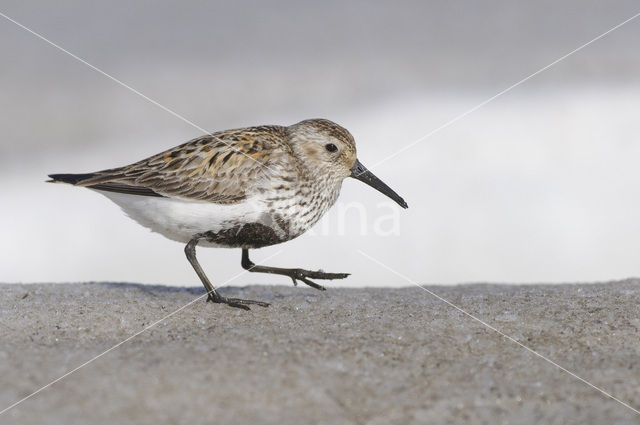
[{"x": 245, "y": 188}]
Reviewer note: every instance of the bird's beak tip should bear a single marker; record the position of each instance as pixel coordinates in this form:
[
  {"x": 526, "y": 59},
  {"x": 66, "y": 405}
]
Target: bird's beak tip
[{"x": 360, "y": 172}]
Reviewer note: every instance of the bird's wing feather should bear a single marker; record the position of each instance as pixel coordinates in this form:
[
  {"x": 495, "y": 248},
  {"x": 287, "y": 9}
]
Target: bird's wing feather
[{"x": 220, "y": 168}]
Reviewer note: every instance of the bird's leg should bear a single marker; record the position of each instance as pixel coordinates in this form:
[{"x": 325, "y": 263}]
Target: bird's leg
[
  {"x": 294, "y": 274},
  {"x": 213, "y": 295}
]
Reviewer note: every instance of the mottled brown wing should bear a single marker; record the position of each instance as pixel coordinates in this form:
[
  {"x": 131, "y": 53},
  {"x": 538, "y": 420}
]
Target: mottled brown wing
[{"x": 219, "y": 168}]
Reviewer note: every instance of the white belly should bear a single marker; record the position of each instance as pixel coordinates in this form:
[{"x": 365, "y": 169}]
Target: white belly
[{"x": 180, "y": 220}]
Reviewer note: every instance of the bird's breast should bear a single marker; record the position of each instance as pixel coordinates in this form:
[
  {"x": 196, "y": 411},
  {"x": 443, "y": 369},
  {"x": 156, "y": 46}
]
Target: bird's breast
[{"x": 299, "y": 208}]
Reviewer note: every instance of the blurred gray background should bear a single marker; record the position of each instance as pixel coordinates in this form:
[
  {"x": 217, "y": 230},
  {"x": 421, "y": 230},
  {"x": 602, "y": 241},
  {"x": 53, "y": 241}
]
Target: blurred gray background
[{"x": 541, "y": 185}]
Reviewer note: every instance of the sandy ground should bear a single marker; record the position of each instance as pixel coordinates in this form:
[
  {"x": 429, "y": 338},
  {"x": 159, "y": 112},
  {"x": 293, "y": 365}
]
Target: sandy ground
[{"x": 345, "y": 356}]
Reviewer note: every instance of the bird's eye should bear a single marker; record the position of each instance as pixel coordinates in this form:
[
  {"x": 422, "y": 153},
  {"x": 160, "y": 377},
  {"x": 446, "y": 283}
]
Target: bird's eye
[{"x": 331, "y": 147}]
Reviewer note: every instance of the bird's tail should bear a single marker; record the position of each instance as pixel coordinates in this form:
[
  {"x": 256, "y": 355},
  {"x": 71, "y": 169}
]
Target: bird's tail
[
  {"x": 70, "y": 178},
  {"x": 87, "y": 179}
]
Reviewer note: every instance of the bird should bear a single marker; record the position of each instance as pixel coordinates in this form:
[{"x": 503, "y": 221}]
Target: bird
[{"x": 244, "y": 188}]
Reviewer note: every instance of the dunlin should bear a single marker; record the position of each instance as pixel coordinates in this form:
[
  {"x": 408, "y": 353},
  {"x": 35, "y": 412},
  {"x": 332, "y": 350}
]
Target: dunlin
[{"x": 245, "y": 188}]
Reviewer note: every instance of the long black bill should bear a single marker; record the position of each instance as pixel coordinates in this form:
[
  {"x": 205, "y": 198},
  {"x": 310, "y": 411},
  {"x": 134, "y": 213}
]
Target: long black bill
[{"x": 361, "y": 173}]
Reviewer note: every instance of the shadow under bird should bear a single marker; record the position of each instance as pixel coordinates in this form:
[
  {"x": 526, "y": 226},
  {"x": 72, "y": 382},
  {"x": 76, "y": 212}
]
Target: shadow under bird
[{"x": 245, "y": 188}]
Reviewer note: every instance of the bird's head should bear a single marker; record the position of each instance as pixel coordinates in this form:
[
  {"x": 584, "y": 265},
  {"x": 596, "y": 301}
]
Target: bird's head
[{"x": 331, "y": 149}]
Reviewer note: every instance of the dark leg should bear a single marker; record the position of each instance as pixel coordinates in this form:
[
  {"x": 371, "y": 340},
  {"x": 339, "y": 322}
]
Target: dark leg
[
  {"x": 294, "y": 274},
  {"x": 190, "y": 250}
]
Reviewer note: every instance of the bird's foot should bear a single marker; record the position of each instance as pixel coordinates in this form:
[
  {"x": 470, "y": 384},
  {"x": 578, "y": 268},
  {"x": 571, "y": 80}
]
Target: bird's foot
[
  {"x": 235, "y": 302},
  {"x": 303, "y": 275}
]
